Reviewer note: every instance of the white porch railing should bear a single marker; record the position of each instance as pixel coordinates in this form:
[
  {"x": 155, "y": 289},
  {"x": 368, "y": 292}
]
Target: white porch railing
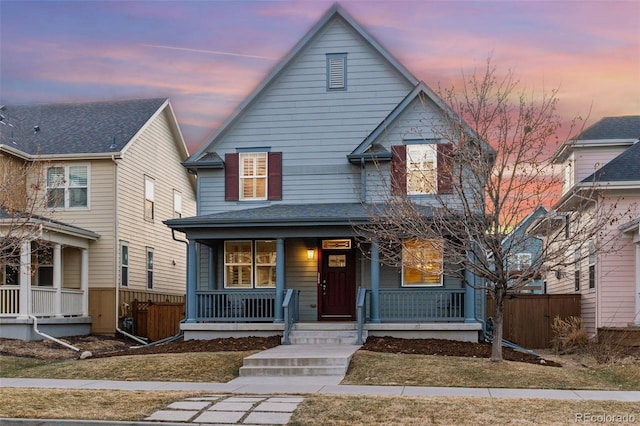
[{"x": 43, "y": 301}]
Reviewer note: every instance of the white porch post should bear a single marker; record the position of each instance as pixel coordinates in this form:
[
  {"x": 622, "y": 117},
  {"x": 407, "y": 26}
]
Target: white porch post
[
  {"x": 57, "y": 279},
  {"x": 84, "y": 280},
  {"x": 25, "y": 280}
]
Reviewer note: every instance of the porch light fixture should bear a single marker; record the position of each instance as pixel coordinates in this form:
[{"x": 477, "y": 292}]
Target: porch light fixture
[{"x": 311, "y": 253}]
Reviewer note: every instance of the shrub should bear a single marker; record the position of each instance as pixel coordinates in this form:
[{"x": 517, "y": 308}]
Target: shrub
[{"x": 568, "y": 334}]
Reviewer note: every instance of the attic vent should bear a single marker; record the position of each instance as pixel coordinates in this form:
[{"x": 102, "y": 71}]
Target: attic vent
[{"x": 337, "y": 71}]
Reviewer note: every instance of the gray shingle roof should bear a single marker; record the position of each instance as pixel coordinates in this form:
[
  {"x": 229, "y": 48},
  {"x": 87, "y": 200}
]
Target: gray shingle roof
[
  {"x": 623, "y": 168},
  {"x": 283, "y": 214},
  {"x": 624, "y": 127},
  {"x": 75, "y": 128}
]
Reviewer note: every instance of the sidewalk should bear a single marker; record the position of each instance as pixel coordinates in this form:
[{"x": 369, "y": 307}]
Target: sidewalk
[{"x": 271, "y": 400}]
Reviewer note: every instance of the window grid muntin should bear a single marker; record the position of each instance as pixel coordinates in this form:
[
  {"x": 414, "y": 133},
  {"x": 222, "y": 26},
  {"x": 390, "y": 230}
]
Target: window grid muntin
[
  {"x": 67, "y": 187},
  {"x": 249, "y": 264}
]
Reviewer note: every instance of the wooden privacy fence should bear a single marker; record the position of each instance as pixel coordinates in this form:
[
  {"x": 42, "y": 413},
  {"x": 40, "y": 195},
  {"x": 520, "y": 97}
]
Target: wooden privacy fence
[
  {"x": 528, "y": 317},
  {"x": 156, "y": 320}
]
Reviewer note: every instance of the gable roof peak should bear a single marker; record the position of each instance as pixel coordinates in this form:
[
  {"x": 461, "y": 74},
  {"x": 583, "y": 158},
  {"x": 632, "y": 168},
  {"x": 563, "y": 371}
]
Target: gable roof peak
[{"x": 336, "y": 11}]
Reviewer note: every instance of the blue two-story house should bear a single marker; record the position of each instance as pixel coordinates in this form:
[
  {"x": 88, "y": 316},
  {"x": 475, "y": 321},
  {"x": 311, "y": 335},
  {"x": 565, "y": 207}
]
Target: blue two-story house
[{"x": 283, "y": 183}]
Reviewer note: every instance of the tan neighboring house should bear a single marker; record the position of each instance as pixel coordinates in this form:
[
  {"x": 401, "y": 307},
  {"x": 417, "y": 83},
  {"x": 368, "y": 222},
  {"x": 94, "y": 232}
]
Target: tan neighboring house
[{"x": 108, "y": 174}]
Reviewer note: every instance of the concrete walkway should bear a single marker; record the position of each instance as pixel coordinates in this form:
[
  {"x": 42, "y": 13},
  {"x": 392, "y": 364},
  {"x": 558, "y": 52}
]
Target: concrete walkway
[{"x": 271, "y": 400}]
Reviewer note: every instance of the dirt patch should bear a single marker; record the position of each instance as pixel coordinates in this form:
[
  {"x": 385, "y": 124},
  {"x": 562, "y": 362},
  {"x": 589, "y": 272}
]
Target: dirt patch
[{"x": 106, "y": 346}]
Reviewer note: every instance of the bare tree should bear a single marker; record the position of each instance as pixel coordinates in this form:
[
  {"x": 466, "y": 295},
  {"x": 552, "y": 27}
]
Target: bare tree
[
  {"x": 498, "y": 137},
  {"x": 22, "y": 202}
]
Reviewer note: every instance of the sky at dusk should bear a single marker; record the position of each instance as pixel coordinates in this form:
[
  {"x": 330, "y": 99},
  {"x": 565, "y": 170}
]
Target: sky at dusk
[{"x": 207, "y": 56}]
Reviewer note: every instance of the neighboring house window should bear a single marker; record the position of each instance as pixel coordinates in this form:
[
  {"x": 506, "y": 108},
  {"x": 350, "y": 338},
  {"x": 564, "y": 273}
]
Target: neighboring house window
[
  {"x": 422, "y": 262},
  {"x": 124, "y": 264},
  {"x": 336, "y": 71},
  {"x": 68, "y": 187},
  {"x": 253, "y": 176},
  {"x": 592, "y": 265},
  {"x": 421, "y": 168},
  {"x": 576, "y": 269},
  {"x": 250, "y": 264},
  {"x": 149, "y": 198},
  {"x": 177, "y": 204},
  {"x": 567, "y": 178},
  {"x": 519, "y": 261},
  {"x": 149, "y": 268}
]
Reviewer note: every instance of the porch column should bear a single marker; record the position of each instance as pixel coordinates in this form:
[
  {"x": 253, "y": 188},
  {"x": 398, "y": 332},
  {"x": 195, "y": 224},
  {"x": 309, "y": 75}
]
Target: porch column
[
  {"x": 191, "y": 311},
  {"x": 211, "y": 280},
  {"x": 84, "y": 280},
  {"x": 279, "y": 314},
  {"x": 25, "y": 280},
  {"x": 375, "y": 281},
  {"x": 469, "y": 293},
  {"x": 57, "y": 280}
]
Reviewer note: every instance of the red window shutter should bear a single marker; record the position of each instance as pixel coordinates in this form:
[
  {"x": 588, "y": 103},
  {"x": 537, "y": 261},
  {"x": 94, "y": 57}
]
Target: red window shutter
[
  {"x": 445, "y": 165},
  {"x": 399, "y": 170},
  {"x": 275, "y": 176},
  {"x": 231, "y": 177}
]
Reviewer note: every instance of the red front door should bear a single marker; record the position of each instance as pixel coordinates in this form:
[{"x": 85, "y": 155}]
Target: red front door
[{"x": 337, "y": 286}]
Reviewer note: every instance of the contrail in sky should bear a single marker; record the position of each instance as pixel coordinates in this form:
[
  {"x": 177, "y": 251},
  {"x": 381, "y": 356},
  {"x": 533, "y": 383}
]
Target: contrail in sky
[{"x": 213, "y": 52}]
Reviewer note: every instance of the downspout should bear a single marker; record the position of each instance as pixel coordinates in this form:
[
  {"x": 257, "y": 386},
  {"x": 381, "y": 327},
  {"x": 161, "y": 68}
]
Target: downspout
[
  {"x": 116, "y": 246},
  {"x": 363, "y": 180},
  {"x": 46, "y": 336}
]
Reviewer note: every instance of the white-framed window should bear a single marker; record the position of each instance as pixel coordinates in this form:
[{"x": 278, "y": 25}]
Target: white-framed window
[
  {"x": 422, "y": 263},
  {"x": 576, "y": 269},
  {"x": 567, "y": 175},
  {"x": 250, "y": 264},
  {"x": 336, "y": 71},
  {"x": 519, "y": 261},
  {"x": 253, "y": 175},
  {"x": 592, "y": 264},
  {"x": 124, "y": 264},
  {"x": 149, "y": 198},
  {"x": 149, "y": 268},
  {"x": 177, "y": 204},
  {"x": 68, "y": 187},
  {"x": 422, "y": 169}
]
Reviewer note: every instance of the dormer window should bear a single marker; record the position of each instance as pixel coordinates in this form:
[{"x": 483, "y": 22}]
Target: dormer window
[{"x": 336, "y": 71}]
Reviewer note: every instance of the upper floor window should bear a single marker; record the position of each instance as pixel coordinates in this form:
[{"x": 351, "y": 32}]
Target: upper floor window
[
  {"x": 567, "y": 176},
  {"x": 68, "y": 187},
  {"x": 337, "y": 71},
  {"x": 253, "y": 176},
  {"x": 249, "y": 264},
  {"x": 149, "y": 198},
  {"x": 421, "y": 169},
  {"x": 422, "y": 262},
  {"x": 519, "y": 261},
  {"x": 422, "y": 166},
  {"x": 177, "y": 204}
]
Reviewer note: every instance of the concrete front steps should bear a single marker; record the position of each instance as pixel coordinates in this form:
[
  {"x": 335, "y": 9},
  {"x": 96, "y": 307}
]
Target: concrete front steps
[{"x": 316, "y": 349}]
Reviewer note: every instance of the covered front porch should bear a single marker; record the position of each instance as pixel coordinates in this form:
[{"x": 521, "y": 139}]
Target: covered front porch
[
  {"x": 44, "y": 284},
  {"x": 267, "y": 271}
]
